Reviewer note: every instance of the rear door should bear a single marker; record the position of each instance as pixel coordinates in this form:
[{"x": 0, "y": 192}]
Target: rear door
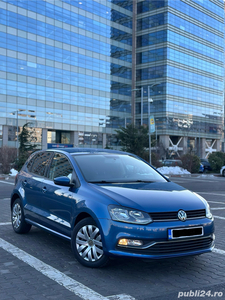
[{"x": 31, "y": 183}]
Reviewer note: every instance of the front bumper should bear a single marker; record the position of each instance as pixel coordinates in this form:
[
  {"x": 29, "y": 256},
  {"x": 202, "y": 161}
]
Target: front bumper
[{"x": 156, "y": 244}]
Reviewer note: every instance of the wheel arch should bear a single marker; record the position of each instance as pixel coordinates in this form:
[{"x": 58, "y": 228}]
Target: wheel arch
[
  {"x": 81, "y": 216},
  {"x": 89, "y": 214},
  {"x": 13, "y": 199}
]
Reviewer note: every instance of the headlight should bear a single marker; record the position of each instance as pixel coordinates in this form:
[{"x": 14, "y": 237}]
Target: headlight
[
  {"x": 207, "y": 207},
  {"x": 127, "y": 215}
]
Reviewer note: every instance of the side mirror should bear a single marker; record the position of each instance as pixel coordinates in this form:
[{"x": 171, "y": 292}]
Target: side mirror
[{"x": 63, "y": 180}]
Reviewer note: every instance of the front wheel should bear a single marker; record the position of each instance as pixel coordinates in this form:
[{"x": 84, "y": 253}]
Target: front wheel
[
  {"x": 223, "y": 173},
  {"x": 87, "y": 244},
  {"x": 17, "y": 217}
]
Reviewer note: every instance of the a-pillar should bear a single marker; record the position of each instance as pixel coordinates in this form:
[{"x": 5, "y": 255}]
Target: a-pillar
[
  {"x": 44, "y": 144},
  {"x": 5, "y": 135},
  {"x": 74, "y": 138},
  {"x": 163, "y": 145},
  {"x": 184, "y": 145}
]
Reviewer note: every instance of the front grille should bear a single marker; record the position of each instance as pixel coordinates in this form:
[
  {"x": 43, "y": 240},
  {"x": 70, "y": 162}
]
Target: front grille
[
  {"x": 173, "y": 247},
  {"x": 179, "y": 246},
  {"x": 172, "y": 215}
]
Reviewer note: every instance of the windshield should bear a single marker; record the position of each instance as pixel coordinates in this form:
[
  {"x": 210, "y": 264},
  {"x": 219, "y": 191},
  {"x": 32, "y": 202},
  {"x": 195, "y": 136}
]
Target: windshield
[{"x": 115, "y": 168}]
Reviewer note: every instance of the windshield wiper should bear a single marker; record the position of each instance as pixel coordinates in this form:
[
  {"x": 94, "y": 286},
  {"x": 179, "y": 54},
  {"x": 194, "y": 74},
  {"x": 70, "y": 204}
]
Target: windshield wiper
[
  {"x": 102, "y": 181},
  {"x": 139, "y": 180}
]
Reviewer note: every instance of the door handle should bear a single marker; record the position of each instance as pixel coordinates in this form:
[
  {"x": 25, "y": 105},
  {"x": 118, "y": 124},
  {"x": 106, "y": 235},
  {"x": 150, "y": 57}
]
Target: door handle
[
  {"x": 24, "y": 183},
  {"x": 44, "y": 189}
]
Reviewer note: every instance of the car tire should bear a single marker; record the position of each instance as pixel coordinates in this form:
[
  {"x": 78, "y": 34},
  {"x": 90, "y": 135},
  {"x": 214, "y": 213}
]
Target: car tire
[
  {"x": 87, "y": 244},
  {"x": 223, "y": 173},
  {"x": 17, "y": 217}
]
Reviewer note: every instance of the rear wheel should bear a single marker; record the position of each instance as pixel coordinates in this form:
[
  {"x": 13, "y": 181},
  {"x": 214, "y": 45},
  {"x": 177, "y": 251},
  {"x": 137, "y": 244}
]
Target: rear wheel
[
  {"x": 87, "y": 244},
  {"x": 17, "y": 217},
  {"x": 223, "y": 173}
]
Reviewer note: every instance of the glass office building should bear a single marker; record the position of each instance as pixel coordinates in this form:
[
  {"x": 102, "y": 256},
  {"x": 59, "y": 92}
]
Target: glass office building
[
  {"x": 180, "y": 57},
  {"x": 66, "y": 67}
]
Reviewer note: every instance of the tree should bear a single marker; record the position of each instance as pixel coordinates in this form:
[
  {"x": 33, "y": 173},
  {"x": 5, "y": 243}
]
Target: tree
[
  {"x": 217, "y": 160},
  {"x": 27, "y": 139},
  {"x": 134, "y": 140},
  {"x": 190, "y": 162},
  {"x": 7, "y": 158}
]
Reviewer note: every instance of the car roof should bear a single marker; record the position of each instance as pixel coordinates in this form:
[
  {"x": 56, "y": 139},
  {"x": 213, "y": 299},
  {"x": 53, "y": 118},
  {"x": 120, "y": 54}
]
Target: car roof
[{"x": 90, "y": 150}]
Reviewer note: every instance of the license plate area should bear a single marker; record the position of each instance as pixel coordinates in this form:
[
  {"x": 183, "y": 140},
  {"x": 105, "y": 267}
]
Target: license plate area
[{"x": 180, "y": 233}]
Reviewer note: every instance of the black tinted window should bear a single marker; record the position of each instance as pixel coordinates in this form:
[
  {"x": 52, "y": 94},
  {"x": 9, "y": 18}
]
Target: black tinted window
[
  {"x": 60, "y": 166},
  {"x": 30, "y": 163},
  {"x": 40, "y": 162}
]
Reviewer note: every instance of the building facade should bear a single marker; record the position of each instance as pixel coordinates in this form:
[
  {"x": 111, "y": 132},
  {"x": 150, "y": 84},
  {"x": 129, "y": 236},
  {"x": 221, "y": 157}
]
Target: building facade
[
  {"x": 180, "y": 57},
  {"x": 66, "y": 68}
]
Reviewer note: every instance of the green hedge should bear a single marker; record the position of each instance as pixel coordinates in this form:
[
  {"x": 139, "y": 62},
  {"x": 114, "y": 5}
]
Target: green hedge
[{"x": 217, "y": 160}]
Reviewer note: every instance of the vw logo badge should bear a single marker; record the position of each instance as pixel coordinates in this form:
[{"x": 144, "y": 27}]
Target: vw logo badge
[{"x": 182, "y": 215}]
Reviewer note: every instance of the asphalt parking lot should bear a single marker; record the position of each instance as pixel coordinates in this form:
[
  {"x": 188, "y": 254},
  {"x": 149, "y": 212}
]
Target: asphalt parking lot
[{"x": 41, "y": 266}]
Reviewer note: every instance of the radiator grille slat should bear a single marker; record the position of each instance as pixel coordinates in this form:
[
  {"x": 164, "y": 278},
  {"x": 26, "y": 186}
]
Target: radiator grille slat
[{"x": 191, "y": 214}]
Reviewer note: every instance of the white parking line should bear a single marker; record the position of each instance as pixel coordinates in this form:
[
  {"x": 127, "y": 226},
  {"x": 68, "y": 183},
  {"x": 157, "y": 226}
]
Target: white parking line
[
  {"x": 193, "y": 179},
  {"x": 214, "y": 194},
  {"x": 218, "y": 217},
  {"x": 219, "y": 251},
  {"x": 70, "y": 284},
  {"x": 121, "y": 297},
  {"x": 216, "y": 208},
  {"x": 6, "y": 223},
  {"x": 217, "y": 202},
  {"x": 7, "y": 182}
]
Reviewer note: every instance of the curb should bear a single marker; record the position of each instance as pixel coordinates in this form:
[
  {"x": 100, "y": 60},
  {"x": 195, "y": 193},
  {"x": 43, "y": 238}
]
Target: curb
[{"x": 194, "y": 175}]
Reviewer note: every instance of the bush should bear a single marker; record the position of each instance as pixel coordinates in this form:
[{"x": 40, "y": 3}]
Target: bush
[
  {"x": 191, "y": 162},
  {"x": 216, "y": 160},
  {"x": 23, "y": 156},
  {"x": 156, "y": 160},
  {"x": 7, "y": 159}
]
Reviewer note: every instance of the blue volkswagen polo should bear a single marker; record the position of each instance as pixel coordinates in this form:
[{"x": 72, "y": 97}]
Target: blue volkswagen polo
[{"x": 109, "y": 204}]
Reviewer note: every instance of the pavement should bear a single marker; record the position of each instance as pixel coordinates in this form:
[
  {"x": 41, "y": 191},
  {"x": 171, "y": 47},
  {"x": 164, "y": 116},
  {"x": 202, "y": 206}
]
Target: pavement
[{"x": 39, "y": 266}]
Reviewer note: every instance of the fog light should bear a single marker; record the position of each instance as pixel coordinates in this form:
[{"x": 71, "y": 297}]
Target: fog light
[{"x": 128, "y": 242}]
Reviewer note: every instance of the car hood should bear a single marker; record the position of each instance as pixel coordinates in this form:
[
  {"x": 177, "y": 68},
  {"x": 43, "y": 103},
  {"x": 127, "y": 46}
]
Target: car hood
[{"x": 152, "y": 197}]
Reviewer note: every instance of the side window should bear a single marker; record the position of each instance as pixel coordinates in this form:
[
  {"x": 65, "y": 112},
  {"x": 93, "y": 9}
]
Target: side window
[
  {"x": 30, "y": 163},
  {"x": 60, "y": 166},
  {"x": 40, "y": 163}
]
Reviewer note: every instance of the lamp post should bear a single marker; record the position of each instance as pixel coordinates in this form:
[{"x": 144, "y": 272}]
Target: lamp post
[
  {"x": 17, "y": 129},
  {"x": 142, "y": 95},
  {"x": 149, "y": 129},
  {"x": 149, "y": 125},
  {"x": 199, "y": 151}
]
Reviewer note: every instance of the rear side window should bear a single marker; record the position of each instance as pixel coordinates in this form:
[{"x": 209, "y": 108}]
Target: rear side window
[
  {"x": 41, "y": 160},
  {"x": 60, "y": 166},
  {"x": 30, "y": 163}
]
